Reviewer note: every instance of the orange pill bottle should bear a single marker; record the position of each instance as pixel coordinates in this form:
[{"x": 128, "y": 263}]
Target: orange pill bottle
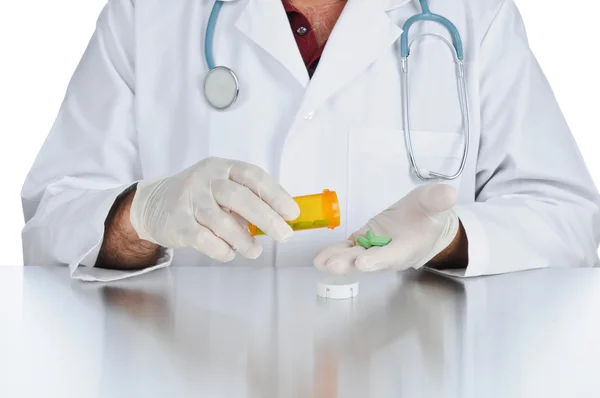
[{"x": 316, "y": 211}]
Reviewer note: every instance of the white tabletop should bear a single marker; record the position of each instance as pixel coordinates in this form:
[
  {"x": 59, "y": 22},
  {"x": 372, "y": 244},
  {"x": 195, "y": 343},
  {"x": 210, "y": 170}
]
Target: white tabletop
[{"x": 247, "y": 332}]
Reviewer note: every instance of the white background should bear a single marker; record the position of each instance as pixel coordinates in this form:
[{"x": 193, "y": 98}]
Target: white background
[{"x": 42, "y": 41}]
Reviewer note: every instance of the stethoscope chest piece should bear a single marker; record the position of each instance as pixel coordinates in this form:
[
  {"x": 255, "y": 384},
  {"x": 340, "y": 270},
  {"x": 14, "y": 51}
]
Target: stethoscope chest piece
[{"x": 221, "y": 87}]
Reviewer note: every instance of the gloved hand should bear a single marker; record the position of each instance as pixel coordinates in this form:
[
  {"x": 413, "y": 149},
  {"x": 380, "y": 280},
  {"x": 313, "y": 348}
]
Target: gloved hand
[
  {"x": 200, "y": 208},
  {"x": 421, "y": 225}
]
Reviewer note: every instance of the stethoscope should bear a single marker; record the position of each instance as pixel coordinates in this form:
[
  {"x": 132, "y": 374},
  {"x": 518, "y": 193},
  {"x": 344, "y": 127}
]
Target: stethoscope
[{"x": 222, "y": 87}]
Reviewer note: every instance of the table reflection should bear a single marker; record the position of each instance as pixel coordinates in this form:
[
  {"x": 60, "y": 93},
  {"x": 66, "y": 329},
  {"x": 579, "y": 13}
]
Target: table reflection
[
  {"x": 276, "y": 346},
  {"x": 248, "y": 332}
]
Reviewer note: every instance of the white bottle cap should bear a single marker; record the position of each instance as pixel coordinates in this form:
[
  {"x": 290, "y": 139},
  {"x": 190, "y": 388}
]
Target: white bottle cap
[{"x": 337, "y": 288}]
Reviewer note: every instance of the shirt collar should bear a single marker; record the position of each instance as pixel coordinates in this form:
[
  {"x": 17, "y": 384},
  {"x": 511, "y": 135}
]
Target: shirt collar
[
  {"x": 388, "y": 5},
  {"x": 288, "y": 6}
]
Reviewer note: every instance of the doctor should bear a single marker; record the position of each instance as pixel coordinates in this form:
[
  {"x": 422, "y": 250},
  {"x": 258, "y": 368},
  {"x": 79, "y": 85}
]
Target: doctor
[{"x": 142, "y": 171}]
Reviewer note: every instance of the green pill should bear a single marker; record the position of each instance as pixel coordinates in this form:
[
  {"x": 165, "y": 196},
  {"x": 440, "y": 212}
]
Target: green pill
[
  {"x": 380, "y": 240},
  {"x": 364, "y": 242},
  {"x": 370, "y": 234}
]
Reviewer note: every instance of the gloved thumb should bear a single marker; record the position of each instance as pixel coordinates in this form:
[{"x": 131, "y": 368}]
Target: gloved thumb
[{"x": 435, "y": 198}]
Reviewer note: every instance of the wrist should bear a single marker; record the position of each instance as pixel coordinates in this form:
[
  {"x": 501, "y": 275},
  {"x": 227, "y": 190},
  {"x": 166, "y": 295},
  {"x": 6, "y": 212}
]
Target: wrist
[
  {"x": 456, "y": 254},
  {"x": 139, "y": 201},
  {"x": 121, "y": 247},
  {"x": 122, "y": 219}
]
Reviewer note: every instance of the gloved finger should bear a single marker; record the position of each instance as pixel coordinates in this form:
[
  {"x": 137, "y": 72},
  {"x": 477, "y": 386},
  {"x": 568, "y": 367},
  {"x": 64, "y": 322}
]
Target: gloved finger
[
  {"x": 266, "y": 188},
  {"x": 325, "y": 254},
  {"x": 241, "y": 220},
  {"x": 244, "y": 202},
  {"x": 392, "y": 256},
  {"x": 224, "y": 226},
  {"x": 435, "y": 198},
  {"x": 205, "y": 241},
  {"x": 344, "y": 261}
]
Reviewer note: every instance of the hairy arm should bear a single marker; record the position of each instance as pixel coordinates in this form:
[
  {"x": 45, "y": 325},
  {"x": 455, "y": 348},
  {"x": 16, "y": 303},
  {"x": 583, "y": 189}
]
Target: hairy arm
[
  {"x": 121, "y": 248},
  {"x": 456, "y": 255}
]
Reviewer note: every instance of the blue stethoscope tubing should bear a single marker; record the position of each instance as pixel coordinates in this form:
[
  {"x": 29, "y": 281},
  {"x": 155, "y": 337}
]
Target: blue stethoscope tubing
[
  {"x": 210, "y": 33},
  {"x": 221, "y": 84},
  {"x": 425, "y": 15}
]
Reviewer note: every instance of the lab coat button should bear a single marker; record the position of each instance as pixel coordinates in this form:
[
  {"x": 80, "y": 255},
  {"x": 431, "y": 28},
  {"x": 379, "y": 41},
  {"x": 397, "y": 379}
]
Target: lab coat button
[{"x": 310, "y": 115}]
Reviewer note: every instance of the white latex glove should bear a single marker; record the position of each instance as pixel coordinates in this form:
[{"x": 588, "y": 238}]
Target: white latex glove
[
  {"x": 199, "y": 208},
  {"x": 421, "y": 225}
]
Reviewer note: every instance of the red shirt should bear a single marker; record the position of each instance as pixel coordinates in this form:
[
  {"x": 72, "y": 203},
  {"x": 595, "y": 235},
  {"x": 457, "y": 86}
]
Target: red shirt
[{"x": 305, "y": 37}]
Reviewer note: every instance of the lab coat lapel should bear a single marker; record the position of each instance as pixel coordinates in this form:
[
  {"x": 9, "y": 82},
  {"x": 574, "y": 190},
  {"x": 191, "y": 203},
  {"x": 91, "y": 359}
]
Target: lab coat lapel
[
  {"x": 362, "y": 34},
  {"x": 265, "y": 23},
  {"x": 392, "y": 4}
]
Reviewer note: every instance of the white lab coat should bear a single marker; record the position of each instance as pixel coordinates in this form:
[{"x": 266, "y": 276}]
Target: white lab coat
[{"x": 134, "y": 110}]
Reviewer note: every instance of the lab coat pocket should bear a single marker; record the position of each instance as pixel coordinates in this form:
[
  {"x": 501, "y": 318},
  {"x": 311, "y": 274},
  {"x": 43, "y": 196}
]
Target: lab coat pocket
[{"x": 379, "y": 170}]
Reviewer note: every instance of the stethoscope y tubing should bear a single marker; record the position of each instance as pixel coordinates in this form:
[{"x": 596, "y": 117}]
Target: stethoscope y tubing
[
  {"x": 427, "y": 15},
  {"x": 457, "y": 49}
]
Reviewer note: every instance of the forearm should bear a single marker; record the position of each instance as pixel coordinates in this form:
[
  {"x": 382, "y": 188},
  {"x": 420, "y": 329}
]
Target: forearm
[
  {"x": 456, "y": 255},
  {"x": 121, "y": 248}
]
